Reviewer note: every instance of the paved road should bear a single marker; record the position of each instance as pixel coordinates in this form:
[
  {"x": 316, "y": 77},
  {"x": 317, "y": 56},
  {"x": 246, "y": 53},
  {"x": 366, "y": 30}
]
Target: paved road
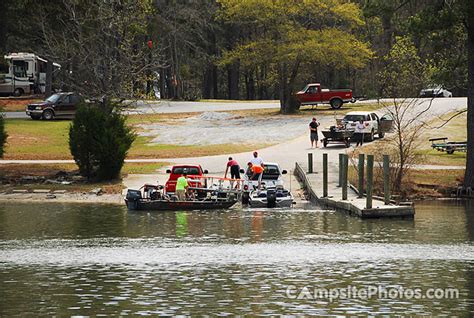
[{"x": 165, "y": 107}]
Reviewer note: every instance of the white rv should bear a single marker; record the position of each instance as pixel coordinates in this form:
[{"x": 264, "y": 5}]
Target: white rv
[{"x": 23, "y": 73}]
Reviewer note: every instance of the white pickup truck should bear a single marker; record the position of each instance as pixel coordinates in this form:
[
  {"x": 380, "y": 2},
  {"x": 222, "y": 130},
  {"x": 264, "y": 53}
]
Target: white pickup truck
[{"x": 373, "y": 124}]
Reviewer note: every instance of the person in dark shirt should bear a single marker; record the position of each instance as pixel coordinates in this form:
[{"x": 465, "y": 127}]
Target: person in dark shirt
[{"x": 313, "y": 132}]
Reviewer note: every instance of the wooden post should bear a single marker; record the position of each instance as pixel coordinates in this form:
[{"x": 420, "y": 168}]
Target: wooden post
[
  {"x": 360, "y": 186},
  {"x": 386, "y": 178},
  {"x": 345, "y": 163},
  {"x": 340, "y": 170},
  {"x": 325, "y": 175},
  {"x": 310, "y": 163},
  {"x": 370, "y": 180}
]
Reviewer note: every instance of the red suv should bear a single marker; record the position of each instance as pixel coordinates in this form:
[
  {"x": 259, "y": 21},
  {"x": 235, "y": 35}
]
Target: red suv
[{"x": 192, "y": 171}]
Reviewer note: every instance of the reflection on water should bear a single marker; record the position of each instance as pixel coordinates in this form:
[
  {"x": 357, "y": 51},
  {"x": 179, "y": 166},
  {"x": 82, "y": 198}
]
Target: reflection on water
[{"x": 58, "y": 259}]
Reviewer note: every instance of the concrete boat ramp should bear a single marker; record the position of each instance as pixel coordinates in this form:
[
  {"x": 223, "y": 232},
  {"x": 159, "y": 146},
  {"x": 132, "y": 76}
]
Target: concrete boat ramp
[{"x": 313, "y": 184}]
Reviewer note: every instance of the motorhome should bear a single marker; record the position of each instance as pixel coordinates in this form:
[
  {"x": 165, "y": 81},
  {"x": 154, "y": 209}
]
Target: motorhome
[{"x": 23, "y": 74}]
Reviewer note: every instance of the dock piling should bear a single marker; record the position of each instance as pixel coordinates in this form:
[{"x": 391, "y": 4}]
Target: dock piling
[
  {"x": 386, "y": 179},
  {"x": 340, "y": 170},
  {"x": 361, "y": 163},
  {"x": 310, "y": 163},
  {"x": 345, "y": 163},
  {"x": 370, "y": 180},
  {"x": 325, "y": 175}
]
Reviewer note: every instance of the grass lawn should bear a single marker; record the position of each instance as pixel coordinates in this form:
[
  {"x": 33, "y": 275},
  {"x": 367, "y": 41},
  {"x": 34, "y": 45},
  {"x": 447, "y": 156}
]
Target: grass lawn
[
  {"x": 31, "y": 139},
  {"x": 422, "y": 183},
  {"x": 37, "y": 139}
]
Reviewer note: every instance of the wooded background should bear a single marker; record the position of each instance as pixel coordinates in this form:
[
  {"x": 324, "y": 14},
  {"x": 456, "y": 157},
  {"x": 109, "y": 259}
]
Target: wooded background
[{"x": 231, "y": 49}]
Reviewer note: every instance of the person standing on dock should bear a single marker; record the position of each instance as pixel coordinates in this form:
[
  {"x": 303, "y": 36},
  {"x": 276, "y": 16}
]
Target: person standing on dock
[
  {"x": 359, "y": 131},
  {"x": 181, "y": 187},
  {"x": 313, "y": 132}
]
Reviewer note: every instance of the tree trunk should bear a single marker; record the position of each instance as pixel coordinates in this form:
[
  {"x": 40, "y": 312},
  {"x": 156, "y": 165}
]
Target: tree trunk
[
  {"x": 469, "y": 174},
  {"x": 250, "y": 85},
  {"x": 215, "y": 90},
  {"x": 233, "y": 75},
  {"x": 288, "y": 102},
  {"x": 207, "y": 83}
]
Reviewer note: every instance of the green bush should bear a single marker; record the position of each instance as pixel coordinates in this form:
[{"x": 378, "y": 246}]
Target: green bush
[
  {"x": 3, "y": 136},
  {"x": 99, "y": 140}
]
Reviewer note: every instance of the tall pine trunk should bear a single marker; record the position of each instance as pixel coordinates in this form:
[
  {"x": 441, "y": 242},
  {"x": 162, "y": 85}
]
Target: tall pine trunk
[
  {"x": 469, "y": 174},
  {"x": 288, "y": 102},
  {"x": 233, "y": 76}
]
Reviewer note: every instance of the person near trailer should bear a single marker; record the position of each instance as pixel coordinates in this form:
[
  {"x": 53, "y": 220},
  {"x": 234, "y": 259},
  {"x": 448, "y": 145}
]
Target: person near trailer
[
  {"x": 256, "y": 160},
  {"x": 359, "y": 132},
  {"x": 234, "y": 171},
  {"x": 256, "y": 172},
  {"x": 182, "y": 187},
  {"x": 313, "y": 132}
]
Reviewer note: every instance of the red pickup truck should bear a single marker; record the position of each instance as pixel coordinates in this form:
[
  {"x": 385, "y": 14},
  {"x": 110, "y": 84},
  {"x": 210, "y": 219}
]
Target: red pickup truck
[
  {"x": 192, "y": 172},
  {"x": 312, "y": 94}
]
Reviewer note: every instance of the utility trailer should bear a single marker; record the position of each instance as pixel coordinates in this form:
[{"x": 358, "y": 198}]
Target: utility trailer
[{"x": 441, "y": 144}]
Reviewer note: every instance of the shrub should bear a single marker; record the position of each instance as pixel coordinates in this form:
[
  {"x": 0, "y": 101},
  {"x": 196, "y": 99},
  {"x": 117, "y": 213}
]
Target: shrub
[
  {"x": 99, "y": 140},
  {"x": 3, "y": 136}
]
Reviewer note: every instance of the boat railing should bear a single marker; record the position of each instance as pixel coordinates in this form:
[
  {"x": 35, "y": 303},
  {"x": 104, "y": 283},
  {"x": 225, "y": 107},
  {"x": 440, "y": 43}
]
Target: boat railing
[{"x": 210, "y": 183}]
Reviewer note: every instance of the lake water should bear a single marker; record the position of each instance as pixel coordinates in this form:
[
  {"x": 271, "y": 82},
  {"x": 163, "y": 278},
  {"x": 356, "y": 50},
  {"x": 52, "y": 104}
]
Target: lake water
[{"x": 99, "y": 260}]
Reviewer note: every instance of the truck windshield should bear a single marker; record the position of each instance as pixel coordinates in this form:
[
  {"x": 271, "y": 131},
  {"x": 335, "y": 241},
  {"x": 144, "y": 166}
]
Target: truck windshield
[
  {"x": 270, "y": 172},
  {"x": 187, "y": 170},
  {"x": 53, "y": 98}
]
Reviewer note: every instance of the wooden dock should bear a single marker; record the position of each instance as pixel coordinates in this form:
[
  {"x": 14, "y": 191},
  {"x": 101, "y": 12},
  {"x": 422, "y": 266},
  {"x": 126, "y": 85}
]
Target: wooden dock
[{"x": 352, "y": 203}]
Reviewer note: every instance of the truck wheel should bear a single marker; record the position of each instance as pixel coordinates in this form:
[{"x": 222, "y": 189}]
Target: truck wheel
[
  {"x": 336, "y": 103},
  {"x": 48, "y": 114},
  {"x": 371, "y": 135},
  {"x": 381, "y": 135},
  {"x": 18, "y": 92}
]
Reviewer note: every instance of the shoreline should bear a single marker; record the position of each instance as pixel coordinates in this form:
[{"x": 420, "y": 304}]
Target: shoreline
[{"x": 114, "y": 199}]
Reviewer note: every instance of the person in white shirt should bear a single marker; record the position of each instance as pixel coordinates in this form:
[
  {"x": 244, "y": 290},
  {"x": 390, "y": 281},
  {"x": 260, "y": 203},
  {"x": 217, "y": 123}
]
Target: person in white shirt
[
  {"x": 359, "y": 130},
  {"x": 256, "y": 160}
]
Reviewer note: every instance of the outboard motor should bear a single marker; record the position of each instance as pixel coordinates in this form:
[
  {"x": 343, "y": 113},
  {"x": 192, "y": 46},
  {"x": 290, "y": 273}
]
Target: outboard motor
[
  {"x": 271, "y": 198},
  {"x": 133, "y": 196}
]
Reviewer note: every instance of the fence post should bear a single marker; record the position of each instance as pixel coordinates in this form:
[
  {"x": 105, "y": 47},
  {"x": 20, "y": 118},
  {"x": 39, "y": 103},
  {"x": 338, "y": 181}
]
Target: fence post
[
  {"x": 345, "y": 163},
  {"x": 340, "y": 170},
  {"x": 386, "y": 178},
  {"x": 360, "y": 186},
  {"x": 325, "y": 175},
  {"x": 370, "y": 180},
  {"x": 310, "y": 163}
]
